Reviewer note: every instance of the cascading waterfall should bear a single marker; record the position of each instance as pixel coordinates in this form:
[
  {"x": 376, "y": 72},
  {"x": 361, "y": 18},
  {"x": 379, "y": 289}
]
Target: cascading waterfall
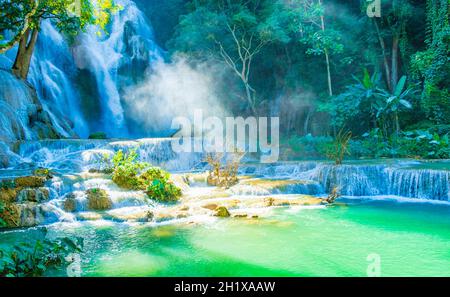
[
  {"x": 52, "y": 72},
  {"x": 120, "y": 58},
  {"x": 123, "y": 54}
]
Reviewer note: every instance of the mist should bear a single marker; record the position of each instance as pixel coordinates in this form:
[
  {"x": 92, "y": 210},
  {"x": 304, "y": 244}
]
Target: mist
[{"x": 175, "y": 89}]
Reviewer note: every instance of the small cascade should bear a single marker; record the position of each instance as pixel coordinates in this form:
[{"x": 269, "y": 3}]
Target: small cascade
[
  {"x": 81, "y": 155},
  {"x": 17, "y": 102}
]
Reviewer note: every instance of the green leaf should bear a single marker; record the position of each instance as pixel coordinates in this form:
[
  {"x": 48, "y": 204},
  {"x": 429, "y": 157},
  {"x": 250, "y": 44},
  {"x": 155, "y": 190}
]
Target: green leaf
[
  {"x": 400, "y": 86},
  {"x": 405, "y": 103}
]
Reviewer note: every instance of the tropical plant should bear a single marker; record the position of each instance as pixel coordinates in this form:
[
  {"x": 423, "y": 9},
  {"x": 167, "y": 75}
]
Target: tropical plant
[
  {"x": 126, "y": 169},
  {"x": 34, "y": 259},
  {"x": 339, "y": 148},
  {"x": 392, "y": 103},
  {"x": 155, "y": 182}
]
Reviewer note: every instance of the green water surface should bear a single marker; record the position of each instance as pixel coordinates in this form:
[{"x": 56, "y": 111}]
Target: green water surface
[{"x": 411, "y": 239}]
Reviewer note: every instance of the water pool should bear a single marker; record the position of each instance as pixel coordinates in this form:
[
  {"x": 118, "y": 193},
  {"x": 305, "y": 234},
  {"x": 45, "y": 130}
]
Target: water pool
[{"x": 411, "y": 239}]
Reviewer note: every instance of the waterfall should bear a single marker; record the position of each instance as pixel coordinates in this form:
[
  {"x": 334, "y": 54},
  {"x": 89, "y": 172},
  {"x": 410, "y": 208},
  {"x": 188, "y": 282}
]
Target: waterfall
[
  {"x": 375, "y": 180},
  {"x": 117, "y": 59},
  {"x": 79, "y": 83},
  {"x": 398, "y": 179},
  {"x": 74, "y": 156},
  {"x": 51, "y": 73}
]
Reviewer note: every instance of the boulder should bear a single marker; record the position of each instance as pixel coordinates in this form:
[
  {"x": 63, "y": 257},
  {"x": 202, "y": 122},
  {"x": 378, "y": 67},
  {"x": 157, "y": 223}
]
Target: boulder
[
  {"x": 8, "y": 195},
  {"x": 37, "y": 195},
  {"x": 222, "y": 212},
  {"x": 98, "y": 199},
  {"x": 70, "y": 204},
  {"x": 30, "y": 181}
]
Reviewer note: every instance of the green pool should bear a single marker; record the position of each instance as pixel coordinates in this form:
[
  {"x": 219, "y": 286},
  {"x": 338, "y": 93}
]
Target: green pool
[{"x": 410, "y": 239}]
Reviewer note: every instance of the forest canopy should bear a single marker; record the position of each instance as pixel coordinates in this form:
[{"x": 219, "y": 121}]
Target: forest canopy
[{"x": 329, "y": 65}]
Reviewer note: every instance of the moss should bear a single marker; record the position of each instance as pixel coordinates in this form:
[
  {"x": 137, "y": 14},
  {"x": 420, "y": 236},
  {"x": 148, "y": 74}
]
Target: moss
[
  {"x": 98, "y": 199},
  {"x": 222, "y": 212},
  {"x": 10, "y": 215},
  {"x": 30, "y": 181},
  {"x": 43, "y": 172},
  {"x": 8, "y": 195}
]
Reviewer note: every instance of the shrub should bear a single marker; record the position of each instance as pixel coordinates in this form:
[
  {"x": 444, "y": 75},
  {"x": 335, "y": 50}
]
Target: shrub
[
  {"x": 31, "y": 260},
  {"x": 340, "y": 147},
  {"x": 126, "y": 168},
  {"x": 156, "y": 184},
  {"x": 226, "y": 174},
  {"x": 154, "y": 181},
  {"x": 98, "y": 135}
]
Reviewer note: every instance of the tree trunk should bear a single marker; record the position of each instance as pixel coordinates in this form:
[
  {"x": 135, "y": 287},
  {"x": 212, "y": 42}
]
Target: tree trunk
[
  {"x": 385, "y": 58},
  {"x": 394, "y": 64},
  {"x": 25, "y": 51},
  {"x": 250, "y": 100},
  {"x": 307, "y": 120},
  {"x": 327, "y": 56},
  {"x": 330, "y": 86}
]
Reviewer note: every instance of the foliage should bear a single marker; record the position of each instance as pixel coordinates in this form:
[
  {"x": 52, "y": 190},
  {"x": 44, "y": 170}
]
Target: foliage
[
  {"x": 358, "y": 101},
  {"x": 155, "y": 182},
  {"x": 126, "y": 168},
  {"x": 2, "y": 209},
  {"x": 339, "y": 147},
  {"x": 30, "y": 260},
  {"x": 127, "y": 174},
  {"x": 392, "y": 103},
  {"x": 98, "y": 135},
  {"x": 43, "y": 172},
  {"x": 306, "y": 147},
  {"x": 431, "y": 65}
]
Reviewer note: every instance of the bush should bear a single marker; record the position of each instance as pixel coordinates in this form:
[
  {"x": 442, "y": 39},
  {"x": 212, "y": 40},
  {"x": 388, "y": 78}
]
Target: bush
[
  {"x": 31, "y": 260},
  {"x": 98, "y": 135},
  {"x": 126, "y": 168},
  {"x": 155, "y": 182},
  {"x": 307, "y": 147}
]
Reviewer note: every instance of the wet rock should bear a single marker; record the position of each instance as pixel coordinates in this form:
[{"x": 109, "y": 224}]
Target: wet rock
[
  {"x": 37, "y": 195},
  {"x": 30, "y": 181},
  {"x": 8, "y": 195},
  {"x": 22, "y": 215},
  {"x": 101, "y": 171},
  {"x": 133, "y": 215},
  {"x": 240, "y": 215},
  {"x": 98, "y": 199},
  {"x": 70, "y": 204},
  {"x": 89, "y": 216},
  {"x": 222, "y": 212},
  {"x": 211, "y": 206}
]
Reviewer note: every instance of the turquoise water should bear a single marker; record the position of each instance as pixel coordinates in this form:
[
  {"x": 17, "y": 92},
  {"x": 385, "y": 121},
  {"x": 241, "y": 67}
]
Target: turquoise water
[{"x": 411, "y": 239}]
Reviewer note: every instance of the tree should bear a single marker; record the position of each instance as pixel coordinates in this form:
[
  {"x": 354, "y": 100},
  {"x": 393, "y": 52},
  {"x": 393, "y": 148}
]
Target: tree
[
  {"x": 233, "y": 31},
  {"x": 23, "y": 19},
  {"x": 310, "y": 16},
  {"x": 391, "y": 32},
  {"x": 431, "y": 66}
]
